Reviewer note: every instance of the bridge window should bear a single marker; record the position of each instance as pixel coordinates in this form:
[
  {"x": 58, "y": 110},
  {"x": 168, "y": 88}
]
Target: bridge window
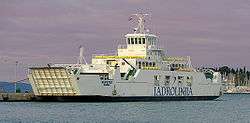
[
  {"x": 135, "y": 40},
  {"x": 128, "y": 40},
  {"x": 139, "y": 40},
  {"x": 143, "y": 40},
  {"x": 132, "y": 40},
  {"x": 146, "y": 63}
]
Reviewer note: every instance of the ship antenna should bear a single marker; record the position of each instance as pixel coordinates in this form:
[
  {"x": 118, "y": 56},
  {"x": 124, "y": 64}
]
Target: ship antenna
[
  {"x": 81, "y": 58},
  {"x": 141, "y": 20}
]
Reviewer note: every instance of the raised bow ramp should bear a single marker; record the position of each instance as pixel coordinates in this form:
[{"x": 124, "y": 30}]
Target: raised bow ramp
[{"x": 53, "y": 81}]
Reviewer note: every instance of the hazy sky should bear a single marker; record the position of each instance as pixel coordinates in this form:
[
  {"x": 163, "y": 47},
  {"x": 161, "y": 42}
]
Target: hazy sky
[{"x": 212, "y": 32}]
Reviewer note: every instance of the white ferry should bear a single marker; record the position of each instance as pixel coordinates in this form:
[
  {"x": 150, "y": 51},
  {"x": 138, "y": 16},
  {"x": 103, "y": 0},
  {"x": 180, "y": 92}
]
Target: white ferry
[{"x": 139, "y": 71}]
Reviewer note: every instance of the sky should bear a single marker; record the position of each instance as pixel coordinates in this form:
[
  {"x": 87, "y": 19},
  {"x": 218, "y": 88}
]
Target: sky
[{"x": 33, "y": 32}]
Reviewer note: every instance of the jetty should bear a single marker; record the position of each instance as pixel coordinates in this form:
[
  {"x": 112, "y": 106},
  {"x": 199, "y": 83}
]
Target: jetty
[{"x": 16, "y": 97}]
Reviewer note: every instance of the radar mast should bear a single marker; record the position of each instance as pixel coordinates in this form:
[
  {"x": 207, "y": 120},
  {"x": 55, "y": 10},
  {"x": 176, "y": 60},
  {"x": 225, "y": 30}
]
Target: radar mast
[
  {"x": 81, "y": 58},
  {"x": 140, "y": 29}
]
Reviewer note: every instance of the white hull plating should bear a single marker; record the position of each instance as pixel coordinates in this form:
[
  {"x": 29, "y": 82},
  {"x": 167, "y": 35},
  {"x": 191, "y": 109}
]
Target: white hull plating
[{"x": 143, "y": 83}]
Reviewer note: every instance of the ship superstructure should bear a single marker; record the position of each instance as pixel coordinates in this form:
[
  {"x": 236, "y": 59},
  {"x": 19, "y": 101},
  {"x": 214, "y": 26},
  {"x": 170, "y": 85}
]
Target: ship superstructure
[{"x": 139, "y": 71}]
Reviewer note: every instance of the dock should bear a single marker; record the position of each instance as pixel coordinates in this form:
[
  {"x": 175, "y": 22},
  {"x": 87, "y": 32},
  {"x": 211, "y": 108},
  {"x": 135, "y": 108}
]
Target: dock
[{"x": 16, "y": 97}]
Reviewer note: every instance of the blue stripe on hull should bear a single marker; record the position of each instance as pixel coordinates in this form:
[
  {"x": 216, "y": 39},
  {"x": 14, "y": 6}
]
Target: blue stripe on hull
[{"x": 120, "y": 99}]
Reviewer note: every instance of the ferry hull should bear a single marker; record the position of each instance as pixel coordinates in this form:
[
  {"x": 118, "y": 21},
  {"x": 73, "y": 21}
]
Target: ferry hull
[{"x": 120, "y": 99}]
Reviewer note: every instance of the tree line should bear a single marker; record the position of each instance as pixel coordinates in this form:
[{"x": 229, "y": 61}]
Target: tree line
[{"x": 241, "y": 75}]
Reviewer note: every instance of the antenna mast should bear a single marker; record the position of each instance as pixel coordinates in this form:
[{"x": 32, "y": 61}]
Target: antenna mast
[
  {"x": 141, "y": 20},
  {"x": 81, "y": 58}
]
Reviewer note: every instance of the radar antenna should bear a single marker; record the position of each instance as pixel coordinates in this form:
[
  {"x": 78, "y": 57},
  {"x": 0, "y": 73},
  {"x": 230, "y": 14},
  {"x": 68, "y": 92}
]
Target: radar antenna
[{"x": 141, "y": 20}]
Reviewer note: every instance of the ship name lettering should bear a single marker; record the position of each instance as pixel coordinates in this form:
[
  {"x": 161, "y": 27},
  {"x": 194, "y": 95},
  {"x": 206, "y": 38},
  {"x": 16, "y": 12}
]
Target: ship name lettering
[{"x": 172, "y": 91}]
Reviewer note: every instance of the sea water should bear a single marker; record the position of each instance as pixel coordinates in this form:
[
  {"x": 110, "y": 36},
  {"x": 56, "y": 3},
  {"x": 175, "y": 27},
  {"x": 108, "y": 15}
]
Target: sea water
[{"x": 230, "y": 108}]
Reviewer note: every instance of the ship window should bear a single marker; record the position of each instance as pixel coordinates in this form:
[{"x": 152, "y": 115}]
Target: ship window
[
  {"x": 153, "y": 64},
  {"x": 128, "y": 40},
  {"x": 101, "y": 77},
  {"x": 146, "y": 63},
  {"x": 148, "y": 38},
  {"x": 189, "y": 81},
  {"x": 167, "y": 80},
  {"x": 139, "y": 40},
  {"x": 157, "y": 79},
  {"x": 132, "y": 40},
  {"x": 139, "y": 64},
  {"x": 143, "y": 40},
  {"x": 143, "y": 64},
  {"x": 180, "y": 79},
  {"x": 123, "y": 74},
  {"x": 135, "y": 40},
  {"x": 150, "y": 64}
]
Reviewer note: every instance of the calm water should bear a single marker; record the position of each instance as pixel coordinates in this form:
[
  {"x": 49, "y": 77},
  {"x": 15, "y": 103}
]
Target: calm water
[{"x": 227, "y": 109}]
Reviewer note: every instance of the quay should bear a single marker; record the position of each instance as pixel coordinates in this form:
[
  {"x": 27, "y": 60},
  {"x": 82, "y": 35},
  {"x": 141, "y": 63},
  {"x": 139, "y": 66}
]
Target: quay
[{"x": 16, "y": 97}]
